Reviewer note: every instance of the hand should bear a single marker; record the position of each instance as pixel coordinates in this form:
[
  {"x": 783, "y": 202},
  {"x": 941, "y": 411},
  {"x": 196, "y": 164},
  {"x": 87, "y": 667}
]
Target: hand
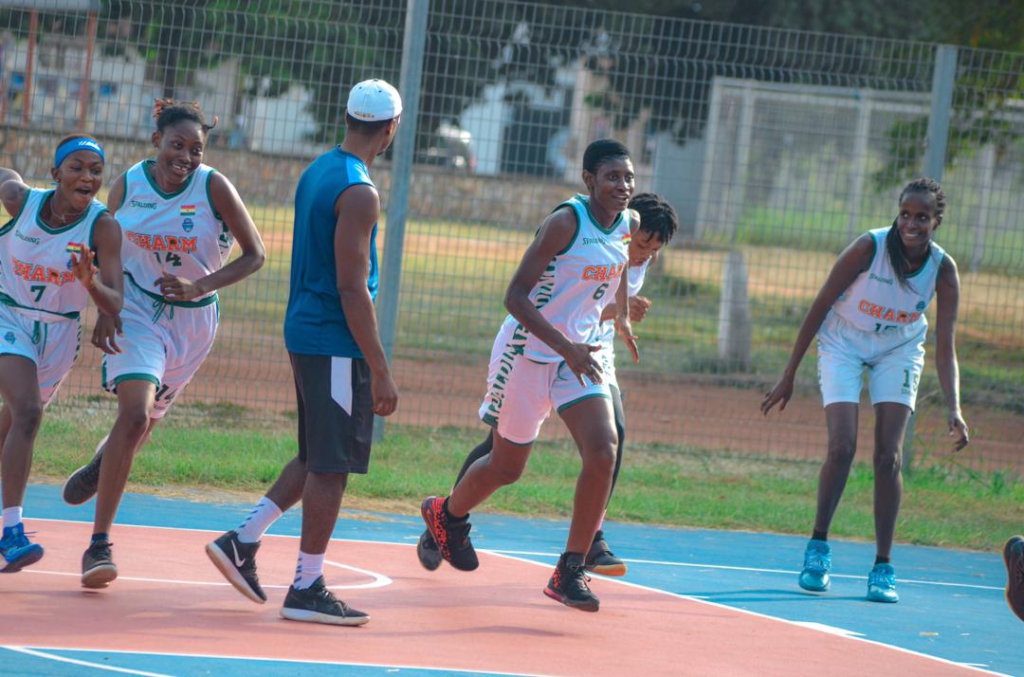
[
  {"x": 175, "y": 288},
  {"x": 780, "y": 392},
  {"x": 638, "y": 307},
  {"x": 385, "y": 395},
  {"x": 625, "y": 330},
  {"x": 958, "y": 431},
  {"x": 580, "y": 361},
  {"x": 84, "y": 268},
  {"x": 104, "y": 333}
]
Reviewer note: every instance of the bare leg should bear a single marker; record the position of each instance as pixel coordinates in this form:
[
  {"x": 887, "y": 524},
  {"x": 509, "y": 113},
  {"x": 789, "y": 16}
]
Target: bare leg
[
  {"x": 503, "y": 466},
  {"x": 135, "y": 405},
  {"x": 321, "y": 501},
  {"x": 891, "y": 421},
  {"x": 841, "y": 418},
  {"x": 290, "y": 485},
  {"x": 592, "y": 424},
  {"x": 22, "y": 414}
]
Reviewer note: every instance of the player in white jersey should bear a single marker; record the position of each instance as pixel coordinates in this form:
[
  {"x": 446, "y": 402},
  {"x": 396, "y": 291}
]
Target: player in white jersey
[
  {"x": 47, "y": 275},
  {"x": 658, "y": 223},
  {"x": 870, "y": 315},
  {"x": 180, "y": 219},
  {"x": 544, "y": 358}
]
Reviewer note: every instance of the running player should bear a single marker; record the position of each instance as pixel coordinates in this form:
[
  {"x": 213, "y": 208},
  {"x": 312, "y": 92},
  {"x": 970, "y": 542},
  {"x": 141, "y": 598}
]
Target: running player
[
  {"x": 341, "y": 372},
  {"x": 543, "y": 358},
  {"x": 47, "y": 275},
  {"x": 180, "y": 219},
  {"x": 870, "y": 315},
  {"x": 658, "y": 223},
  {"x": 1013, "y": 555}
]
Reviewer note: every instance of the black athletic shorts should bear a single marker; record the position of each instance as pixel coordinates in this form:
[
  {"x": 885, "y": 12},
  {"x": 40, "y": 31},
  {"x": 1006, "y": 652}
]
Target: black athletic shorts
[{"x": 335, "y": 412}]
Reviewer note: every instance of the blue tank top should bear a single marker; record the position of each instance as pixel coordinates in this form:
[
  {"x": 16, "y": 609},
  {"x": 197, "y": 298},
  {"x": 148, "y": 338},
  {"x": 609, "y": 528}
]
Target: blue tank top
[{"x": 314, "y": 322}]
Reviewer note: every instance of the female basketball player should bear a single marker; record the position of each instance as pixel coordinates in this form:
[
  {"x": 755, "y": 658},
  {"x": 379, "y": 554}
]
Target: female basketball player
[
  {"x": 658, "y": 223},
  {"x": 180, "y": 220},
  {"x": 543, "y": 358},
  {"x": 47, "y": 275},
  {"x": 870, "y": 315}
]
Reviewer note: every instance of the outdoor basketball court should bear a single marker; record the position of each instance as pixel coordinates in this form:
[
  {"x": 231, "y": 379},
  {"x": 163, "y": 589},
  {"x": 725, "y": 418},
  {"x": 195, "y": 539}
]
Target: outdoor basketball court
[{"x": 693, "y": 603}]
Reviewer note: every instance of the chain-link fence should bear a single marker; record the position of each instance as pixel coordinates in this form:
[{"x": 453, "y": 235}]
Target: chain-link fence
[{"x": 776, "y": 147}]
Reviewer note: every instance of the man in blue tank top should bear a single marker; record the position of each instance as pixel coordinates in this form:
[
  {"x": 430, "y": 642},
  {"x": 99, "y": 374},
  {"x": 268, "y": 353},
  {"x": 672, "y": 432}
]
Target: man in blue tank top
[{"x": 341, "y": 373}]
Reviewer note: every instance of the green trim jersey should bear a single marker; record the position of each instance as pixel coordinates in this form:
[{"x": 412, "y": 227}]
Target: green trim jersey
[
  {"x": 578, "y": 282},
  {"x": 877, "y": 302},
  {"x": 179, "y": 233},
  {"x": 35, "y": 261}
]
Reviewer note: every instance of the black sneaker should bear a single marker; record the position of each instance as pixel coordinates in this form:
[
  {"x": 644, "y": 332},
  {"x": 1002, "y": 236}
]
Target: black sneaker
[
  {"x": 81, "y": 485},
  {"x": 450, "y": 535},
  {"x": 569, "y": 586},
  {"x": 237, "y": 562},
  {"x": 601, "y": 560},
  {"x": 1013, "y": 555},
  {"x": 427, "y": 552},
  {"x": 98, "y": 568},
  {"x": 316, "y": 604}
]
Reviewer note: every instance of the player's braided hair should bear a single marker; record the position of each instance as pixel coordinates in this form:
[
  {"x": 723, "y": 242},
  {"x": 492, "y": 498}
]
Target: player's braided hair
[
  {"x": 656, "y": 215},
  {"x": 893, "y": 243},
  {"x": 170, "y": 111}
]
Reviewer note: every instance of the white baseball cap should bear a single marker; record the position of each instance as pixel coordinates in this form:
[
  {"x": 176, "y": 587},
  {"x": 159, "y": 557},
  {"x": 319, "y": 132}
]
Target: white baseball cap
[{"x": 373, "y": 100}]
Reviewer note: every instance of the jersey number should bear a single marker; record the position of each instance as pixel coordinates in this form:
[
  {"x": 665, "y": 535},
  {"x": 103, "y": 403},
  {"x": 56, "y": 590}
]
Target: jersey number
[
  {"x": 169, "y": 257},
  {"x": 38, "y": 290},
  {"x": 600, "y": 291}
]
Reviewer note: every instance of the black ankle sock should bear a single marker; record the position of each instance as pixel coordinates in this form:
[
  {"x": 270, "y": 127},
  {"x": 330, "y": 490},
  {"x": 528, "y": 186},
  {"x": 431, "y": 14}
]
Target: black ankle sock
[
  {"x": 449, "y": 515},
  {"x": 882, "y": 560},
  {"x": 819, "y": 535},
  {"x": 101, "y": 536},
  {"x": 573, "y": 558}
]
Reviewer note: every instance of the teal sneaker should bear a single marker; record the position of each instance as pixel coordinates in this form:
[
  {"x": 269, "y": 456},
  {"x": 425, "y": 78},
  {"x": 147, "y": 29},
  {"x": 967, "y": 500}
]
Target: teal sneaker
[
  {"x": 817, "y": 562},
  {"x": 17, "y": 551},
  {"x": 882, "y": 584}
]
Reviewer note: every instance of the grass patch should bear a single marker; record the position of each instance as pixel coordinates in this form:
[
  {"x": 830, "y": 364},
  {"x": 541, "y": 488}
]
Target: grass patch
[{"x": 221, "y": 449}]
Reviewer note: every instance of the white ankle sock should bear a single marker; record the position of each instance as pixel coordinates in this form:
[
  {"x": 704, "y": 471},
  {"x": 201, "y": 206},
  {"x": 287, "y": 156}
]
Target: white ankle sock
[
  {"x": 309, "y": 568},
  {"x": 259, "y": 520},
  {"x": 12, "y": 516}
]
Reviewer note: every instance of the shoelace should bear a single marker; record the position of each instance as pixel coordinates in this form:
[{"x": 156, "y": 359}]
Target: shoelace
[
  {"x": 19, "y": 540},
  {"x": 578, "y": 578},
  {"x": 816, "y": 561},
  {"x": 882, "y": 579}
]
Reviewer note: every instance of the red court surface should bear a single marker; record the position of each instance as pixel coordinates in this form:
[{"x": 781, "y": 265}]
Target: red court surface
[{"x": 171, "y": 600}]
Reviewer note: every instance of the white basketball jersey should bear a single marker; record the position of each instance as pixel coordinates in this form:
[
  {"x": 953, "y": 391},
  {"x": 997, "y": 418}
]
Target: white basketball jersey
[
  {"x": 579, "y": 281},
  {"x": 636, "y": 277},
  {"x": 35, "y": 260},
  {"x": 180, "y": 233},
  {"x": 877, "y": 302}
]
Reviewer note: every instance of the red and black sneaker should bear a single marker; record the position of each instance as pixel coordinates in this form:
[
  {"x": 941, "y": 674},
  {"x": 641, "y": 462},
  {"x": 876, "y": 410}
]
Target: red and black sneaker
[
  {"x": 569, "y": 586},
  {"x": 450, "y": 534}
]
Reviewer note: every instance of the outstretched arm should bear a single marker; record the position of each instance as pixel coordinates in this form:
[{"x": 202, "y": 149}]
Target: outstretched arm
[
  {"x": 947, "y": 291},
  {"x": 854, "y": 260}
]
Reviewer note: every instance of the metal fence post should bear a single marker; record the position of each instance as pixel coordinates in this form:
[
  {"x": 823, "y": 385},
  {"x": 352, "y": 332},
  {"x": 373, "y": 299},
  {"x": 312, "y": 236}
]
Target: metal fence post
[
  {"x": 943, "y": 80},
  {"x": 410, "y": 79}
]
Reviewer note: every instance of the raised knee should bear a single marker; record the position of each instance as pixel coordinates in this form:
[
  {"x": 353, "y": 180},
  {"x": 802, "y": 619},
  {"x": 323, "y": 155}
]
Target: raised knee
[{"x": 28, "y": 418}]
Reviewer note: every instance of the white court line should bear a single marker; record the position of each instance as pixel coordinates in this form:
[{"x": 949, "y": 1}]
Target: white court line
[
  {"x": 725, "y": 607},
  {"x": 555, "y": 555},
  {"x": 725, "y": 567},
  {"x": 74, "y": 661},
  {"x": 38, "y": 651},
  {"x": 846, "y": 634}
]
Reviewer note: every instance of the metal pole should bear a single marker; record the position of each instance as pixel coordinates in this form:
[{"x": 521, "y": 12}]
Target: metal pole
[
  {"x": 943, "y": 81},
  {"x": 83, "y": 94},
  {"x": 26, "y": 104},
  {"x": 410, "y": 79}
]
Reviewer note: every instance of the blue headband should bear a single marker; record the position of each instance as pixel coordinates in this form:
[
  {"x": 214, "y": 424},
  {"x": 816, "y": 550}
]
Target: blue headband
[{"x": 79, "y": 143}]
